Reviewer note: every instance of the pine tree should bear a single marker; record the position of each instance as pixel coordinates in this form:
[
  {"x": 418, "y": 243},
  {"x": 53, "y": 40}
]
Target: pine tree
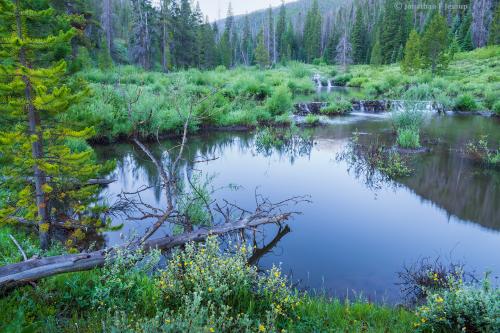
[
  {"x": 271, "y": 38},
  {"x": 494, "y": 34},
  {"x": 412, "y": 60},
  {"x": 359, "y": 39},
  {"x": 312, "y": 33},
  {"x": 45, "y": 178},
  {"x": 246, "y": 43},
  {"x": 435, "y": 44},
  {"x": 225, "y": 47},
  {"x": 376, "y": 55},
  {"x": 282, "y": 47},
  {"x": 391, "y": 31},
  {"x": 261, "y": 54}
]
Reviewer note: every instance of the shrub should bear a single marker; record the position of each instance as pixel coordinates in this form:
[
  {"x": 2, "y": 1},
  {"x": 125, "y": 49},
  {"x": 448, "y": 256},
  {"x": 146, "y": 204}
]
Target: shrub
[
  {"x": 357, "y": 81},
  {"x": 312, "y": 120},
  {"x": 301, "y": 86},
  {"x": 496, "y": 108},
  {"x": 466, "y": 103},
  {"x": 339, "y": 107},
  {"x": 410, "y": 118},
  {"x": 408, "y": 138},
  {"x": 299, "y": 70},
  {"x": 280, "y": 102},
  {"x": 462, "y": 308},
  {"x": 342, "y": 79},
  {"x": 478, "y": 150}
]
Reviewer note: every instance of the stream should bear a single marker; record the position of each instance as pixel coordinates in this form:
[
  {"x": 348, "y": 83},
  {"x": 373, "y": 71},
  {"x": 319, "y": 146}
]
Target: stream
[{"x": 357, "y": 233}]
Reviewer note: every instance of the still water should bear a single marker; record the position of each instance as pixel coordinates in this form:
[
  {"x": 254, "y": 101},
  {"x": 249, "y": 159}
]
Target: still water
[{"x": 357, "y": 233}]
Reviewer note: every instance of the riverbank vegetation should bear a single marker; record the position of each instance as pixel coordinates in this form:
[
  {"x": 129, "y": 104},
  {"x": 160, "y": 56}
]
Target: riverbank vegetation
[
  {"x": 149, "y": 70},
  {"x": 249, "y": 97}
]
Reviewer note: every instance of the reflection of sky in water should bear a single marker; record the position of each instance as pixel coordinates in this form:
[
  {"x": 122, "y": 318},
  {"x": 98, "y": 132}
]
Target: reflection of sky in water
[{"x": 351, "y": 237}]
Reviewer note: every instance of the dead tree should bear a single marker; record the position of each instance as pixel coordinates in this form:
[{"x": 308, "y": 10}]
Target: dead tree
[{"x": 225, "y": 217}]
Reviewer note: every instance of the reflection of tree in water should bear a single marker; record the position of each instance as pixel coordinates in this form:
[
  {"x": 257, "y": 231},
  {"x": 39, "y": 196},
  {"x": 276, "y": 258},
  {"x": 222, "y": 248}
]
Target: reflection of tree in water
[
  {"x": 458, "y": 186},
  {"x": 286, "y": 142},
  {"x": 447, "y": 179},
  {"x": 365, "y": 156}
]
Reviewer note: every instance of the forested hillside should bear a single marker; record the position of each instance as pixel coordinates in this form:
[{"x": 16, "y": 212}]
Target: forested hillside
[{"x": 174, "y": 34}]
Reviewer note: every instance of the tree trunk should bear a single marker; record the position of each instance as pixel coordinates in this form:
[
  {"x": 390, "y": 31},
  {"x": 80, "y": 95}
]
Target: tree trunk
[
  {"x": 34, "y": 125},
  {"x": 34, "y": 269}
]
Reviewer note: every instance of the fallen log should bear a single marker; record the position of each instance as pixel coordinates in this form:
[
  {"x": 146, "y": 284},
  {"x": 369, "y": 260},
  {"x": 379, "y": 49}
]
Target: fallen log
[{"x": 21, "y": 273}]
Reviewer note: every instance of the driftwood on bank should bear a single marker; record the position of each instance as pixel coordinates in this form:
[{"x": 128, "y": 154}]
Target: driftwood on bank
[{"x": 37, "y": 268}]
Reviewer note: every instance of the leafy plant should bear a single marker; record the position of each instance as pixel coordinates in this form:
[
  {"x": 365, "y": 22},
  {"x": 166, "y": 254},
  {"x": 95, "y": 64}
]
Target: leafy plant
[
  {"x": 466, "y": 103},
  {"x": 408, "y": 138},
  {"x": 341, "y": 106}
]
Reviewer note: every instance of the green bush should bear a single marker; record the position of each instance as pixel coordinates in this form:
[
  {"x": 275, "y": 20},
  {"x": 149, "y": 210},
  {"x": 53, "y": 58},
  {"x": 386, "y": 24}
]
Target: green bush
[
  {"x": 312, "y": 120},
  {"x": 280, "y": 102},
  {"x": 341, "y": 106},
  {"x": 466, "y": 103},
  {"x": 496, "y": 108},
  {"x": 408, "y": 138},
  {"x": 342, "y": 79},
  {"x": 462, "y": 308}
]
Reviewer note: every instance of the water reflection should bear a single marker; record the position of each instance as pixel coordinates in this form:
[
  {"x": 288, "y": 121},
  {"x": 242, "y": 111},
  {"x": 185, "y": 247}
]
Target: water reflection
[{"x": 348, "y": 238}]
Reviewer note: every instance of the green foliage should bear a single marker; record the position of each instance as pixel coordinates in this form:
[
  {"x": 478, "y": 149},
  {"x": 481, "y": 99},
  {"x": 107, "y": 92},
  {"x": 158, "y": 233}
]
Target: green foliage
[
  {"x": 461, "y": 308},
  {"x": 342, "y": 79},
  {"x": 261, "y": 54},
  {"x": 412, "y": 60},
  {"x": 435, "y": 44},
  {"x": 465, "y": 102},
  {"x": 280, "y": 102},
  {"x": 480, "y": 152},
  {"x": 496, "y": 108},
  {"x": 43, "y": 174},
  {"x": 311, "y": 120},
  {"x": 394, "y": 166},
  {"x": 408, "y": 138},
  {"x": 341, "y": 106}
]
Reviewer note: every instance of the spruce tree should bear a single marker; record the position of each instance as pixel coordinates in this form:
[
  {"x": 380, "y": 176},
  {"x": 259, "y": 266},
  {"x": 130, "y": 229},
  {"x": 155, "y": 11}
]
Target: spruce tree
[
  {"x": 494, "y": 35},
  {"x": 376, "y": 54},
  {"x": 435, "y": 44},
  {"x": 246, "y": 42},
  {"x": 45, "y": 179},
  {"x": 261, "y": 54},
  {"x": 282, "y": 47},
  {"x": 359, "y": 39},
  {"x": 312, "y": 33},
  {"x": 412, "y": 60},
  {"x": 391, "y": 31}
]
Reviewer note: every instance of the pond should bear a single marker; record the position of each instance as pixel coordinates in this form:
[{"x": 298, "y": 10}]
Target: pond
[{"x": 355, "y": 235}]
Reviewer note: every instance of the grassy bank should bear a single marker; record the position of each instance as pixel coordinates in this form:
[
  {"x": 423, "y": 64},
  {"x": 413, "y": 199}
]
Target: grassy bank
[
  {"x": 200, "y": 290},
  {"x": 249, "y": 96}
]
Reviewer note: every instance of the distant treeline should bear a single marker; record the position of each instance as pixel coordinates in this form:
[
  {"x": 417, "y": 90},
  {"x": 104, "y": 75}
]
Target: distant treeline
[{"x": 174, "y": 34}]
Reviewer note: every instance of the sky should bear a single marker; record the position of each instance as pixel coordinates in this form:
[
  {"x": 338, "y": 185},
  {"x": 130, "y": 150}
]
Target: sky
[{"x": 212, "y": 8}]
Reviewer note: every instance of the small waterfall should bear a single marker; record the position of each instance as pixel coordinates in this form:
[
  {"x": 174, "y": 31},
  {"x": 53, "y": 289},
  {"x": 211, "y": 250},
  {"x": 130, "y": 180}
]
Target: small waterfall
[
  {"x": 307, "y": 108},
  {"x": 361, "y": 106}
]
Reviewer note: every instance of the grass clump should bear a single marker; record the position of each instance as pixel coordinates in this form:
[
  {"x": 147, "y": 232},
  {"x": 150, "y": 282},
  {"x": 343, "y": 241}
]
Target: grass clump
[
  {"x": 407, "y": 124},
  {"x": 311, "y": 120},
  {"x": 466, "y": 103},
  {"x": 408, "y": 138},
  {"x": 341, "y": 106}
]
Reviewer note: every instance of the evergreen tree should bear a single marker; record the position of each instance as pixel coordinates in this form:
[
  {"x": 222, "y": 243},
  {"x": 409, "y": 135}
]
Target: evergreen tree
[
  {"x": 312, "y": 33},
  {"x": 376, "y": 54},
  {"x": 246, "y": 43},
  {"x": 359, "y": 39},
  {"x": 412, "y": 60},
  {"x": 43, "y": 174},
  {"x": 271, "y": 38},
  {"x": 225, "y": 47},
  {"x": 391, "y": 35},
  {"x": 261, "y": 54},
  {"x": 494, "y": 34},
  {"x": 282, "y": 47},
  {"x": 435, "y": 44}
]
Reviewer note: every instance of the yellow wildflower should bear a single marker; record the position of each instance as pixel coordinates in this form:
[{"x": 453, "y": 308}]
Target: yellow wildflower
[
  {"x": 212, "y": 329},
  {"x": 439, "y": 299},
  {"x": 262, "y": 328}
]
